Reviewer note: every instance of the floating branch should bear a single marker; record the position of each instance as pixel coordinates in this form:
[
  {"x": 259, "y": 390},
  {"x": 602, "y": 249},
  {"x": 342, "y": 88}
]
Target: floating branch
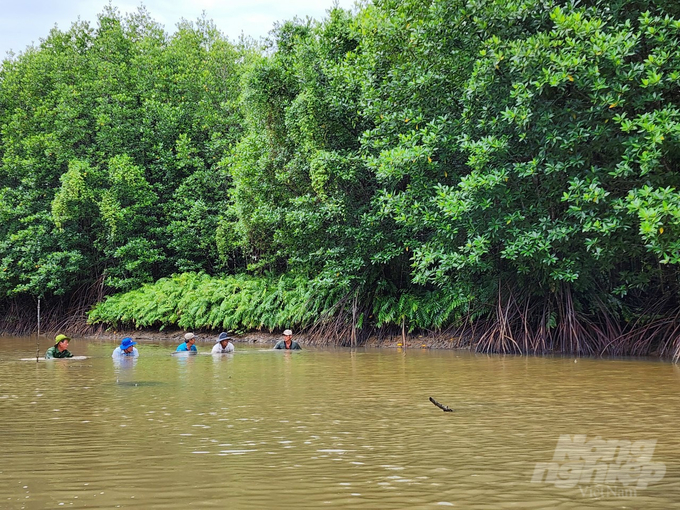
[{"x": 444, "y": 408}]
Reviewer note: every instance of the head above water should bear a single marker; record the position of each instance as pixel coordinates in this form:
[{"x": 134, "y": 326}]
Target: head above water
[
  {"x": 189, "y": 338},
  {"x": 126, "y": 344},
  {"x": 61, "y": 338},
  {"x": 61, "y": 342},
  {"x": 288, "y": 333},
  {"x": 223, "y": 339}
]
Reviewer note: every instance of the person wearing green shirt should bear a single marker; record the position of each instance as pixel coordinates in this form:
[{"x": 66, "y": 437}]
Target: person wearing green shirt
[
  {"x": 288, "y": 343},
  {"x": 60, "y": 348}
]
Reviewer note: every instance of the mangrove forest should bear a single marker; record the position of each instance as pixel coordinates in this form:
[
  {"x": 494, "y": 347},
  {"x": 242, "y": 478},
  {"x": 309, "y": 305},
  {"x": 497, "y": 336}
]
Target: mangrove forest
[{"x": 500, "y": 174}]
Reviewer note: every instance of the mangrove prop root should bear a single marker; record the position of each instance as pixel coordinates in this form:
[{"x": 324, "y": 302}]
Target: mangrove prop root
[{"x": 444, "y": 408}]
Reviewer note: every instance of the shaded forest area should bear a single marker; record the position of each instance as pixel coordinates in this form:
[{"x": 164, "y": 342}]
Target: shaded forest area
[{"x": 504, "y": 173}]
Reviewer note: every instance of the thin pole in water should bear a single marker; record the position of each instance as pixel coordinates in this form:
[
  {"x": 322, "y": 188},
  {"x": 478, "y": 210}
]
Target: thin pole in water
[{"x": 37, "y": 340}]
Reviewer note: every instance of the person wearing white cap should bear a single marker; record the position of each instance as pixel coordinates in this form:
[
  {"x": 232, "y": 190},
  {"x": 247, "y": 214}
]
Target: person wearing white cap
[
  {"x": 288, "y": 343},
  {"x": 222, "y": 345},
  {"x": 188, "y": 344}
]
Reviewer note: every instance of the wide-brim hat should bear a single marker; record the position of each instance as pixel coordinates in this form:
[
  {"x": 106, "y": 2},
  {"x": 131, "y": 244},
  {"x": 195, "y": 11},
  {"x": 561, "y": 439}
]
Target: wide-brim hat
[
  {"x": 126, "y": 343},
  {"x": 223, "y": 336},
  {"x": 288, "y": 332}
]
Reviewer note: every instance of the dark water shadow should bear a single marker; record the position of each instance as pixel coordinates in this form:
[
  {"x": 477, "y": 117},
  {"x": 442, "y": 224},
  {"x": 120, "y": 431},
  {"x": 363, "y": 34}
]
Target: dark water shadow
[{"x": 140, "y": 383}]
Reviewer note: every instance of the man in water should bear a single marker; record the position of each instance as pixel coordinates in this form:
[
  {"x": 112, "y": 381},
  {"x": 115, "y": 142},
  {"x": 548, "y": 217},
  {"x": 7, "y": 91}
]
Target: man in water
[
  {"x": 287, "y": 342},
  {"x": 60, "y": 348},
  {"x": 126, "y": 349},
  {"x": 188, "y": 344},
  {"x": 222, "y": 345}
]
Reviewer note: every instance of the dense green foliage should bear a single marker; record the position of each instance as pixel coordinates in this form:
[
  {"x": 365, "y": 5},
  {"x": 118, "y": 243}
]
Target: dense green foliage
[
  {"x": 194, "y": 301},
  {"x": 110, "y": 145},
  {"x": 504, "y": 168},
  {"x": 241, "y": 303}
]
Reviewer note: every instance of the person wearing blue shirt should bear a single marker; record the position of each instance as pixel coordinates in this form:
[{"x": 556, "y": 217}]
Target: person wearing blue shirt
[
  {"x": 188, "y": 344},
  {"x": 126, "y": 349}
]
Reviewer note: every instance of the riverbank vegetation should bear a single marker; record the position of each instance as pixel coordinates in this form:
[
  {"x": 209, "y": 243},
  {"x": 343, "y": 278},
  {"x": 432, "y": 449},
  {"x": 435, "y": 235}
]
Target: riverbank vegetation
[{"x": 505, "y": 173}]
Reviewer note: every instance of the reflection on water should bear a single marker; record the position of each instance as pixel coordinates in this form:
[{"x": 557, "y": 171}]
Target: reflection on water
[{"x": 320, "y": 428}]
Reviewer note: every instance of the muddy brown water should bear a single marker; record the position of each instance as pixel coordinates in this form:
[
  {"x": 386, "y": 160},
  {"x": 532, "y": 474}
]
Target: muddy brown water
[{"x": 334, "y": 428}]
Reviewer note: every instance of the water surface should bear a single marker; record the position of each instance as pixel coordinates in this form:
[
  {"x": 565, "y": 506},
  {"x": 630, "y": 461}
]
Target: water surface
[{"x": 321, "y": 428}]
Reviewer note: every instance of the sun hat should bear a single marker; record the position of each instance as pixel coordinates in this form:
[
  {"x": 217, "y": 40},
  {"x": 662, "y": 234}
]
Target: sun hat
[
  {"x": 288, "y": 332},
  {"x": 126, "y": 343},
  {"x": 223, "y": 336},
  {"x": 189, "y": 336},
  {"x": 60, "y": 338}
]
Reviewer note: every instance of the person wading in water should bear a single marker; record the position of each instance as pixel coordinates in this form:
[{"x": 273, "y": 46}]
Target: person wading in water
[
  {"x": 188, "y": 344},
  {"x": 287, "y": 342},
  {"x": 60, "y": 348},
  {"x": 222, "y": 345},
  {"x": 126, "y": 349}
]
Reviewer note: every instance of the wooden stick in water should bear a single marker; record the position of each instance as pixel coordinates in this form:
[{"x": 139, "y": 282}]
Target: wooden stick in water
[
  {"x": 37, "y": 340},
  {"x": 444, "y": 408}
]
